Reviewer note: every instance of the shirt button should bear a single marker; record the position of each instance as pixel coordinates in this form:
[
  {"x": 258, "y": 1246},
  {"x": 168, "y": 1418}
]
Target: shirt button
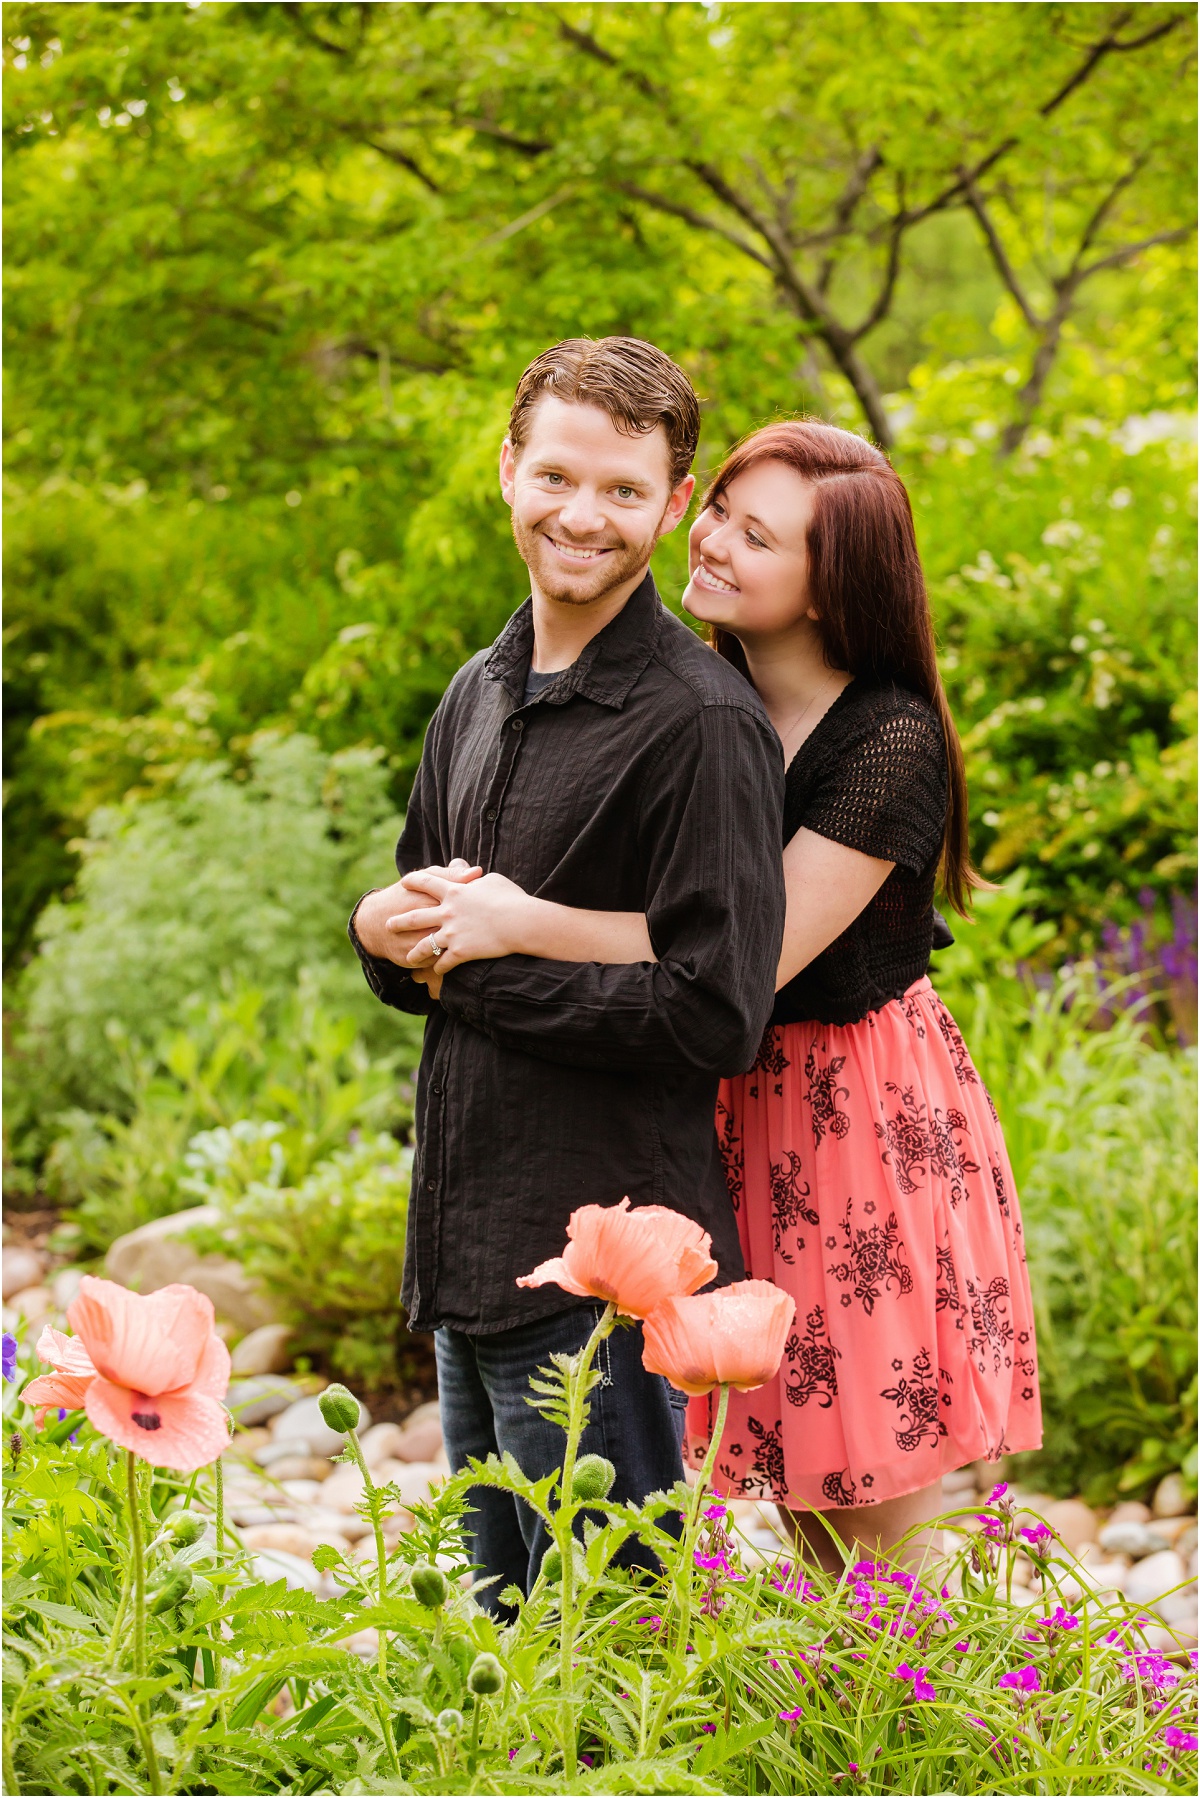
[
  {"x": 431, "y": 1186},
  {"x": 491, "y": 812},
  {"x": 518, "y": 724},
  {"x": 438, "y": 1090}
]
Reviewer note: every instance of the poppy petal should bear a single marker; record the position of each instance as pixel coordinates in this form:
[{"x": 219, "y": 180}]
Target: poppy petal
[{"x": 182, "y": 1430}]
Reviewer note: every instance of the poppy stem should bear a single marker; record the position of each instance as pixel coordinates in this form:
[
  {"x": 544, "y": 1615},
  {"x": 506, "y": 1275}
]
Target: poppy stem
[
  {"x": 136, "y": 1543},
  {"x": 374, "y": 1507},
  {"x": 564, "y": 1534},
  {"x": 691, "y": 1534}
]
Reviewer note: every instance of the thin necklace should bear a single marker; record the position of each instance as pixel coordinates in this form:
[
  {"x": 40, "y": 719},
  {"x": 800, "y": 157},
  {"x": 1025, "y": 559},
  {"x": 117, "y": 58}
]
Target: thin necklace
[{"x": 801, "y": 716}]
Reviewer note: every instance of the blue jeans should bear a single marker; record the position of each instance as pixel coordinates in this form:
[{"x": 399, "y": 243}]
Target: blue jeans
[{"x": 636, "y": 1421}]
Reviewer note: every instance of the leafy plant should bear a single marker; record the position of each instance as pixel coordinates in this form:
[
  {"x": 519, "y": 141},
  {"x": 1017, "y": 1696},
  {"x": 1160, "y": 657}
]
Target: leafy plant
[
  {"x": 725, "y": 1675},
  {"x": 328, "y": 1244}
]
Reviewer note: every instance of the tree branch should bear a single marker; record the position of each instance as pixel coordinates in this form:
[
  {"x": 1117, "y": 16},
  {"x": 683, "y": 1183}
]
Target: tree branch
[
  {"x": 1103, "y": 47},
  {"x": 296, "y": 14},
  {"x": 527, "y": 146},
  {"x": 845, "y": 209},
  {"x": 883, "y": 299},
  {"x": 1004, "y": 267},
  {"x": 700, "y": 220},
  {"x": 1116, "y": 257},
  {"x": 402, "y": 160}
]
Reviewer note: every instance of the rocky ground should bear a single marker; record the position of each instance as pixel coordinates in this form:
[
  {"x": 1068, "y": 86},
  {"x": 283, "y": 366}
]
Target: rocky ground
[{"x": 286, "y": 1494}]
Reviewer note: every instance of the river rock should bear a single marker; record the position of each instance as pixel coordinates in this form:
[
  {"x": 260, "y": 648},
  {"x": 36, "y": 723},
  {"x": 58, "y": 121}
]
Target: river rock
[
  {"x": 309, "y": 1468},
  {"x": 1173, "y": 1529},
  {"x": 65, "y": 1286},
  {"x": 281, "y": 1448},
  {"x": 1130, "y": 1510},
  {"x": 258, "y": 1399},
  {"x": 158, "y": 1254},
  {"x": 1073, "y": 1522},
  {"x": 1178, "y": 1607},
  {"x": 302, "y": 1421},
  {"x": 271, "y": 1564},
  {"x": 288, "y": 1537},
  {"x": 344, "y": 1488},
  {"x": 378, "y": 1444},
  {"x": 1137, "y": 1540},
  {"x": 264, "y": 1350},
  {"x": 34, "y": 1303},
  {"x": 23, "y": 1267},
  {"x": 1154, "y": 1576},
  {"x": 420, "y": 1441},
  {"x": 1170, "y": 1498}
]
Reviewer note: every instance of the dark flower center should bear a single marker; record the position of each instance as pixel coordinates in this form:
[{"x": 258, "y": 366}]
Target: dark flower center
[{"x": 144, "y": 1414}]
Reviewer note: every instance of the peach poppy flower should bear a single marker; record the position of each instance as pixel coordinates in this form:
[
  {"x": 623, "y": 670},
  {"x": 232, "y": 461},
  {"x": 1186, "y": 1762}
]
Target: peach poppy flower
[
  {"x": 66, "y": 1387},
  {"x": 637, "y": 1258},
  {"x": 733, "y": 1337},
  {"x": 161, "y": 1371}
]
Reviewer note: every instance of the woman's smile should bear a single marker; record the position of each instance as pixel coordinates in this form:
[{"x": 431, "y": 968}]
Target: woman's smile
[{"x": 716, "y": 583}]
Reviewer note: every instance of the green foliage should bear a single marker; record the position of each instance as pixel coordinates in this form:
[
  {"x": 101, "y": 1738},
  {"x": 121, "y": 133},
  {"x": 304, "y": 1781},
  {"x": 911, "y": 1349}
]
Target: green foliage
[
  {"x": 233, "y": 882},
  {"x": 734, "y": 1677},
  {"x": 233, "y": 1095},
  {"x": 329, "y": 1249},
  {"x": 352, "y": 230}
]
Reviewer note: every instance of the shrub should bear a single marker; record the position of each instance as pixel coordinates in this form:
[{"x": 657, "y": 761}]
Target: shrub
[
  {"x": 230, "y": 881},
  {"x": 279, "y": 1094},
  {"x": 329, "y": 1249}
]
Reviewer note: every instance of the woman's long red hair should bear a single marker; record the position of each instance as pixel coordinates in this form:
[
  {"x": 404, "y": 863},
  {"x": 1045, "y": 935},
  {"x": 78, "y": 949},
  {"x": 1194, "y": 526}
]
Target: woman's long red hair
[{"x": 867, "y": 588}]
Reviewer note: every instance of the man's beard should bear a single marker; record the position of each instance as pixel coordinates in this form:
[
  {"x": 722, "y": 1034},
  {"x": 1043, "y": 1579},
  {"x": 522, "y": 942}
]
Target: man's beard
[{"x": 595, "y": 581}]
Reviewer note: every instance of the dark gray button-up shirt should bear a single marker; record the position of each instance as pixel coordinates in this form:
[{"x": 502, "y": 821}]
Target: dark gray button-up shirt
[{"x": 645, "y": 778}]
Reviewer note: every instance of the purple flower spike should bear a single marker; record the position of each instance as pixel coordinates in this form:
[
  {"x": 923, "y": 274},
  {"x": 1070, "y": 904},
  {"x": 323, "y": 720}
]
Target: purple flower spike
[
  {"x": 10, "y": 1357},
  {"x": 922, "y": 1686},
  {"x": 1025, "y": 1680},
  {"x": 1181, "y": 1741}
]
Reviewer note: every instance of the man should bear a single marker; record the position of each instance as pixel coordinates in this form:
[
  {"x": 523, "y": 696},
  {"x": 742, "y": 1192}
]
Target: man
[{"x": 600, "y": 755}]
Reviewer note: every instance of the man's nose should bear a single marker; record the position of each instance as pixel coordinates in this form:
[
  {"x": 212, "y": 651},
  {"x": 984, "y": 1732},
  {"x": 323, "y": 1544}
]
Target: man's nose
[{"x": 581, "y": 514}]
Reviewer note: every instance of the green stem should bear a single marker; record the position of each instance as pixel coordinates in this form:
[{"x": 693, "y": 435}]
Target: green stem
[
  {"x": 564, "y": 1534},
  {"x": 686, "y": 1573},
  {"x": 373, "y": 1506},
  {"x": 136, "y": 1542},
  {"x": 473, "y": 1751},
  {"x": 219, "y": 1481}
]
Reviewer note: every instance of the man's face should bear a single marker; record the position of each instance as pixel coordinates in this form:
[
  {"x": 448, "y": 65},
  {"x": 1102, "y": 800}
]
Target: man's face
[{"x": 588, "y": 502}]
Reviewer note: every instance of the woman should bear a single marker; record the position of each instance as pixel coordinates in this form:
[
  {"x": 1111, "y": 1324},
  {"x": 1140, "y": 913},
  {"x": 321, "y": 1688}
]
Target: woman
[{"x": 864, "y": 1157}]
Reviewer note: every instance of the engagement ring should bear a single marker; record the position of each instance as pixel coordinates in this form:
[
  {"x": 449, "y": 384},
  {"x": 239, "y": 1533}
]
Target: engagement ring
[{"x": 432, "y": 943}]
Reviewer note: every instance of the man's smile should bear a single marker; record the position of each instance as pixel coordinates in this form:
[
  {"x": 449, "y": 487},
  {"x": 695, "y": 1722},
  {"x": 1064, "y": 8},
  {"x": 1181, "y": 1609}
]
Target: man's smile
[{"x": 579, "y": 552}]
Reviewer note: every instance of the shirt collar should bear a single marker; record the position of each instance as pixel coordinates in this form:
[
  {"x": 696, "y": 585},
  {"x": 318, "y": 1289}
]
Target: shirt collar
[{"x": 606, "y": 669}]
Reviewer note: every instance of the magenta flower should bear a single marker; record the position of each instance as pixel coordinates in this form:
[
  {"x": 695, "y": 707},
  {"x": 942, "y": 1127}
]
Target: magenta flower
[
  {"x": 1058, "y": 1620},
  {"x": 1154, "y": 1669},
  {"x": 708, "y": 1729},
  {"x": 653, "y": 1623},
  {"x": 1180, "y": 1741},
  {"x": 1040, "y": 1539},
  {"x": 716, "y": 1510},
  {"x": 791, "y": 1716},
  {"x": 1025, "y": 1680},
  {"x": 922, "y": 1687},
  {"x": 963, "y": 1647},
  {"x": 997, "y": 1493}
]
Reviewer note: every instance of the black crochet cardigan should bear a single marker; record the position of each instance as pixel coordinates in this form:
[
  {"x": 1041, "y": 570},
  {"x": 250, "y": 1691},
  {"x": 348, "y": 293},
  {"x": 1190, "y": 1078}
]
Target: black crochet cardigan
[{"x": 871, "y": 775}]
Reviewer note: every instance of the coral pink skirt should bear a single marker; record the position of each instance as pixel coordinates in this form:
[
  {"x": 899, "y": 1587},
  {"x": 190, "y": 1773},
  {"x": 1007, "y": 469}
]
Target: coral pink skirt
[{"x": 868, "y": 1170}]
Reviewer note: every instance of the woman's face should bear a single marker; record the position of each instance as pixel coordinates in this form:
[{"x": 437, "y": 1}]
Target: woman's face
[{"x": 748, "y": 554}]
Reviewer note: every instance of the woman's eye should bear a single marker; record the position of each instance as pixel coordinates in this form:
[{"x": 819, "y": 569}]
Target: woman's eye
[{"x": 754, "y": 542}]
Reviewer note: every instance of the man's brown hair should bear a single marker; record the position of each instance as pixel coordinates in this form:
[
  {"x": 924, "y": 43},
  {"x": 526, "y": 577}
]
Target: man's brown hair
[{"x": 632, "y": 381}]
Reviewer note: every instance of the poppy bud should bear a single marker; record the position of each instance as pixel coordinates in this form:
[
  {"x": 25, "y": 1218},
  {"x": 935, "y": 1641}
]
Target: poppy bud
[
  {"x": 186, "y": 1527},
  {"x": 450, "y": 1723},
  {"x": 552, "y": 1565},
  {"x": 430, "y": 1586},
  {"x": 175, "y": 1589},
  {"x": 486, "y": 1675},
  {"x": 339, "y": 1408},
  {"x": 593, "y": 1479}
]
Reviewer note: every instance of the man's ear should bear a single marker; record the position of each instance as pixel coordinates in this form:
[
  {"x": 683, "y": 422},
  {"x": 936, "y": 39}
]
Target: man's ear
[
  {"x": 678, "y": 504},
  {"x": 508, "y": 471}
]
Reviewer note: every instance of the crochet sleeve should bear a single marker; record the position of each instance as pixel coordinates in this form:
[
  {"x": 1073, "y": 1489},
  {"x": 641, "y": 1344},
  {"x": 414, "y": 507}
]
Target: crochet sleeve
[{"x": 885, "y": 791}]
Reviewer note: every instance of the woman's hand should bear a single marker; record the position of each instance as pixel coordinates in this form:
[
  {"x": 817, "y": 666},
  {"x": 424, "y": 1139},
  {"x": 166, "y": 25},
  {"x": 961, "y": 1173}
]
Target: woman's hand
[{"x": 469, "y": 920}]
